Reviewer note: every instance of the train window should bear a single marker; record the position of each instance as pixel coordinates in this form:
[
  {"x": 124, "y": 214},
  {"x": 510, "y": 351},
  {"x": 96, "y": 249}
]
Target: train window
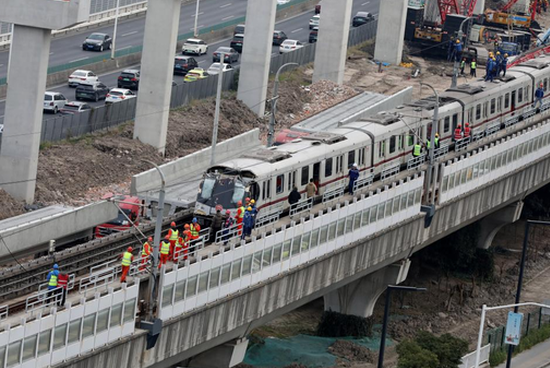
[
  {"x": 410, "y": 138},
  {"x": 328, "y": 167},
  {"x": 506, "y": 100},
  {"x": 291, "y": 180},
  {"x": 351, "y": 158},
  {"x": 478, "y": 112},
  {"x": 362, "y": 152},
  {"x": 392, "y": 144},
  {"x": 399, "y": 143},
  {"x": 280, "y": 184},
  {"x": 455, "y": 120},
  {"x": 266, "y": 192},
  {"x": 365, "y": 218},
  {"x": 471, "y": 115},
  {"x": 485, "y": 109},
  {"x": 447, "y": 124},
  {"x": 339, "y": 164},
  {"x": 382, "y": 149},
  {"x": 305, "y": 175},
  {"x": 520, "y": 95},
  {"x": 499, "y": 104},
  {"x": 493, "y": 106}
]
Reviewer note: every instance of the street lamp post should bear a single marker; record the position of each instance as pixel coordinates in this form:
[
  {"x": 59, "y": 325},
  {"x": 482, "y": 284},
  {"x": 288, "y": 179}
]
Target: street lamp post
[
  {"x": 386, "y": 316},
  {"x": 274, "y": 99},
  {"x": 431, "y": 151},
  {"x": 217, "y": 111},
  {"x": 156, "y": 242},
  {"x": 196, "y": 31},
  {"x": 113, "y": 46},
  {"x": 455, "y": 68}
]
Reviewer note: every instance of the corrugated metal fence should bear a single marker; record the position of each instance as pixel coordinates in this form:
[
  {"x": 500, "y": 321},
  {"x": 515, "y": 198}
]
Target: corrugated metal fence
[{"x": 103, "y": 117}]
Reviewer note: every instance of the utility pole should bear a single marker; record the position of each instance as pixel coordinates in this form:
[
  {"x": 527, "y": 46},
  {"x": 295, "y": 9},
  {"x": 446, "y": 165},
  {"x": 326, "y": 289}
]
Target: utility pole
[
  {"x": 217, "y": 112},
  {"x": 113, "y": 46},
  {"x": 274, "y": 99},
  {"x": 431, "y": 151},
  {"x": 196, "y": 31},
  {"x": 455, "y": 68},
  {"x": 153, "y": 278}
]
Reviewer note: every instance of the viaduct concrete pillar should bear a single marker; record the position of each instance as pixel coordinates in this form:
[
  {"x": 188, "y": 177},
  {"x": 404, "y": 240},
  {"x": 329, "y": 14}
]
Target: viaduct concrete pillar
[
  {"x": 157, "y": 66},
  {"x": 256, "y": 56},
  {"x": 390, "y": 34},
  {"x": 359, "y": 297},
  {"x": 332, "y": 45},
  {"x": 27, "y": 71},
  {"x": 490, "y": 225},
  {"x": 224, "y": 356}
]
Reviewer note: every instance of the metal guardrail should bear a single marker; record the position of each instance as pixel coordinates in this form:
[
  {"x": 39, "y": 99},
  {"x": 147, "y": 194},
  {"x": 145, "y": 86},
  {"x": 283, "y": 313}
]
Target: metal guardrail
[
  {"x": 361, "y": 183},
  {"x": 43, "y": 298},
  {"x": 415, "y": 162},
  {"x": 511, "y": 121},
  {"x": 441, "y": 151},
  {"x": 527, "y": 114},
  {"x": 70, "y": 283},
  {"x": 4, "y": 311},
  {"x": 462, "y": 144},
  {"x": 97, "y": 280},
  {"x": 267, "y": 219},
  {"x": 226, "y": 235},
  {"x": 302, "y": 206},
  {"x": 468, "y": 361},
  {"x": 390, "y": 171}
]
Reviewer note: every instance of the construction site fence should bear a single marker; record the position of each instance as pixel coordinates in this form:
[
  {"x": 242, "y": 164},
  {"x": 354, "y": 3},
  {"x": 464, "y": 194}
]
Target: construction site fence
[
  {"x": 62, "y": 127},
  {"x": 531, "y": 321}
]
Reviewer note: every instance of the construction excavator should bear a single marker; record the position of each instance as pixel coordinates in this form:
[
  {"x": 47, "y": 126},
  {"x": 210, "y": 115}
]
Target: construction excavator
[{"x": 504, "y": 18}]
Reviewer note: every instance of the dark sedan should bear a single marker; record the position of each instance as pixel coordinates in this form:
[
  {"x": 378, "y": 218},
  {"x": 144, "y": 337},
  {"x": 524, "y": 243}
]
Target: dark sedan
[
  {"x": 231, "y": 55},
  {"x": 92, "y": 91},
  {"x": 237, "y": 42},
  {"x": 97, "y": 42}
]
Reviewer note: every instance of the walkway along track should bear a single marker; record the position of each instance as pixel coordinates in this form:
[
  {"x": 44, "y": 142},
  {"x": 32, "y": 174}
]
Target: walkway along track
[{"x": 26, "y": 277}]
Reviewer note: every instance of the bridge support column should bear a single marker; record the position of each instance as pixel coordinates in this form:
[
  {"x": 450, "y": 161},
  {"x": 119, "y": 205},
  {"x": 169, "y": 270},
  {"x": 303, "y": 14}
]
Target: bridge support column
[
  {"x": 332, "y": 47},
  {"x": 224, "y": 356},
  {"x": 157, "y": 67},
  {"x": 390, "y": 35},
  {"x": 256, "y": 57},
  {"x": 359, "y": 297},
  {"x": 490, "y": 225}
]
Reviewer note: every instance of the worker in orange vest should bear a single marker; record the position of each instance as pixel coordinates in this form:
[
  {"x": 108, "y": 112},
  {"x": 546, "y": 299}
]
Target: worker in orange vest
[
  {"x": 145, "y": 253},
  {"x": 195, "y": 229},
  {"x": 173, "y": 233},
  {"x": 164, "y": 250},
  {"x": 127, "y": 259},
  {"x": 466, "y": 130},
  {"x": 458, "y": 133},
  {"x": 183, "y": 245},
  {"x": 240, "y": 216}
]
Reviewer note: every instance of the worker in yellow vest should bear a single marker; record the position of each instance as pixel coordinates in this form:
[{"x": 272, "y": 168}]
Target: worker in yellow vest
[
  {"x": 146, "y": 253},
  {"x": 173, "y": 233},
  {"x": 53, "y": 280},
  {"x": 164, "y": 250},
  {"x": 127, "y": 259}
]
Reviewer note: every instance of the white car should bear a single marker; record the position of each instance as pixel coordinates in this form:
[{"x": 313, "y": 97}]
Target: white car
[
  {"x": 290, "y": 45},
  {"x": 79, "y": 76},
  {"x": 282, "y": 2},
  {"x": 314, "y": 21},
  {"x": 194, "y": 46},
  {"x": 119, "y": 94},
  {"x": 215, "y": 68},
  {"x": 54, "y": 101}
]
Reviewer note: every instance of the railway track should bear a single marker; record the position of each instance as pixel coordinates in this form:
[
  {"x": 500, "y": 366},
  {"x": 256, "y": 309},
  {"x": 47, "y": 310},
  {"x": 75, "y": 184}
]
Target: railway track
[{"x": 26, "y": 277}]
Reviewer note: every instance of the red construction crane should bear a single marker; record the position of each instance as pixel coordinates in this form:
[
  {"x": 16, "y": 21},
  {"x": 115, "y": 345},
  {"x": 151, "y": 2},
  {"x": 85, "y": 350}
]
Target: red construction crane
[
  {"x": 447, "y": 7},
  {"x": 468, "y": 7}
]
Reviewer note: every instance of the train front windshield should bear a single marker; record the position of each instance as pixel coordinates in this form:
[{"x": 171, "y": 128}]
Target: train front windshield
[{"x": 221, "y": 191}]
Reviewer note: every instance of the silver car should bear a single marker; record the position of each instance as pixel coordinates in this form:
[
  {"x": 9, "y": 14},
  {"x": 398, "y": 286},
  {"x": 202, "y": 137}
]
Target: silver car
[{"x": 54, "y": 101}]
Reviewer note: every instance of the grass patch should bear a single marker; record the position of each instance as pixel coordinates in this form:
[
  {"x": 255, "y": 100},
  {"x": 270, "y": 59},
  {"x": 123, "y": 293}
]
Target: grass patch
[{"x": 533, "y": 338}]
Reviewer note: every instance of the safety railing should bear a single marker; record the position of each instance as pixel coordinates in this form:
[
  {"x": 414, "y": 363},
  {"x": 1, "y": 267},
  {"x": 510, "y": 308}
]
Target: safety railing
[
  {"x": 301, "y": 206},
  {"x": 70, "y": 283},
  {"x": 228, "y": 234},
  {"x": 333, "y": 194},
  {"x": 415, "y": 162},
  {"x": 4, "y": 310},
  {"x": 43, "y": 298},
  {"x": 362, "y": 183},
  {"x": 389, "y": 171},
  {"x": 545, "y": 106},
  {"x": 528, "y": 113},
  {"x": 462, "y": 144},
  {"x": 138, "y": 267},
  {"x": 476, "y": 136},
  {"x": 97, "y": 280},
  {"x": 468, "y": 361},
  {"x": 441, "y": 151},
  {"x": 511, "y": 121},
  {"x": 267, "y": 219}
]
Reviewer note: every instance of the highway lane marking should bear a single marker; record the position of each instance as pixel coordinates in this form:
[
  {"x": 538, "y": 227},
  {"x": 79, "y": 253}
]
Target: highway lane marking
[
  {"x": 225, "y": 6},
  {"x": 129, "y": 33},
  {"x": 201, "y": 26},
  {"x": 229, "y": 17},
  {"x": 125, "y": 47},
  {"x": 296, "y": 30},
  {"x": 193, "y": 16},
  {"x": 200, "y": 62},
  {"x": 367, "y": 3},
  {"x": 51, "y": 53},
  {"x": 74, "y": 61}
]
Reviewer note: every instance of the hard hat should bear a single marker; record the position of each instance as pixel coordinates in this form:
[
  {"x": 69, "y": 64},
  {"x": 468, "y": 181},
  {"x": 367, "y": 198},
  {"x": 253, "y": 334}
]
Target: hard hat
[
  {"x": 505, "y": 55},
  {"x": 467, "y": 124},
  {"x": 219, "y": 207},
  {"x": 55, "y": 266},
  {"x": 247, "y": 199},
  {"x": 239, "y": 203},
  {"x": 149, "y": 239},
  {"x": 457, "y": 40},
  {"x": 167, "y": 237},
  {"x": 249, "y": 209},
  {"x": 187, "y": 226},
  {"x": 194, "y": 219},
  {"x": 252, "y": 201},
  {"x": 130, "y": 249},
  {"x": 228, "y": 212},
  {"x": 498, "y": 52},
  {"x": 459, "y": 126},
  {"x": 541, "y": 84},
  {"x": 437, "y": 135},
  {"x": 172, "y": 224},
  {"x": 354, "y": 165}
]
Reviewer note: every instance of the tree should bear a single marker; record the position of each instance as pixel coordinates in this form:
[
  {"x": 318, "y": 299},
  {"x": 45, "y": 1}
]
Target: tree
[
  {"x": 411, "y": 355},
  {"x": 449, "y": 349}
]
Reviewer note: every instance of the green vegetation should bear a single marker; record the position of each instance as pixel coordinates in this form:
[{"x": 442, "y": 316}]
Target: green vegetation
[
  {"x": 334, "y": 324},
  {"x": 533, "y": 338},
  {"x": 430, "y": 351}
]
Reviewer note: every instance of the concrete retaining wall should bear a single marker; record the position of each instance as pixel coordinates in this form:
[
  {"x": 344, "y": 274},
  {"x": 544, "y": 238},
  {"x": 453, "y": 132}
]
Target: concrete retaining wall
[
  {"x": 399, "y": 98},
  {"x": 236, "y": 316},
  {"x": 193, "y": 165}
]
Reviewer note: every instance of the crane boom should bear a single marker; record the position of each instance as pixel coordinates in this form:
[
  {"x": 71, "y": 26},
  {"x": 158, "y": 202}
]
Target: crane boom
[
  {"x": 508, "y": 5},
  {"x": 447, "y": 7},
  {"x": 468, "y": 7}
]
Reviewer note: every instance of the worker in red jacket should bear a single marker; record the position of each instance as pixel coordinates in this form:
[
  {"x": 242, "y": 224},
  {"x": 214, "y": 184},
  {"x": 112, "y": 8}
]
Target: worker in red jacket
[
  {"x": 467, "y": 130},
  {"x": 127, "y": 258},
  {"x": 240, "y": 216},
  {"x": 458, "y": 133},
  {"x": 62, "y": 282},
  {"x": 146, "y": 253}
]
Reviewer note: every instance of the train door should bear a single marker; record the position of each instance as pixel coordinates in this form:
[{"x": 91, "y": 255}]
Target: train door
[
  {"x": 291, "y": 180},
  {"x": 316, "y": 174},
  {"x": 513, "y": 102},
  {"x": 266, "y": 191}
]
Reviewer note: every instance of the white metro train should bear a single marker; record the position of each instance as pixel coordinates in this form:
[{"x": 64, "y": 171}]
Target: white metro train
[{"x": 374, "y": 144}]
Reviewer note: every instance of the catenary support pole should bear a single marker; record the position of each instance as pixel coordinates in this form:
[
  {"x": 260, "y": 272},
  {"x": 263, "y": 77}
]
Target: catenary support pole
[
  {"x": 195, "y": 30},
  {"x": 460, "y": 36},
  {"x": 432, "y": 141},
  {"x": 113, "y": 46},
  {"x": 217, "y": 112},
  {"x": 274, "y": 98}
]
